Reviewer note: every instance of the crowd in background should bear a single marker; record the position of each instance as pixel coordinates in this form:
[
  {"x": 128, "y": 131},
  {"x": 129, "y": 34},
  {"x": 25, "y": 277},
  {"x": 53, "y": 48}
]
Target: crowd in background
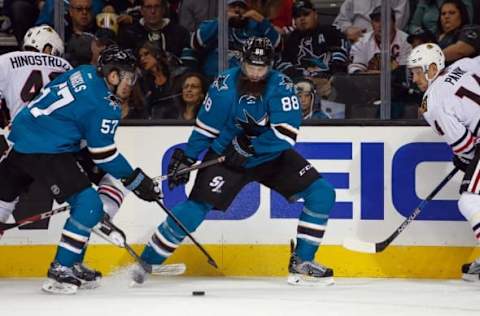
[{"x": 176, "y": 43}]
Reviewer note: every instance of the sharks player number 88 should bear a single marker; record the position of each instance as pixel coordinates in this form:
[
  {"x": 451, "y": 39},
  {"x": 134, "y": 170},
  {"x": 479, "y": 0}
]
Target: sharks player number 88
[{"x": 290, "y": 103}]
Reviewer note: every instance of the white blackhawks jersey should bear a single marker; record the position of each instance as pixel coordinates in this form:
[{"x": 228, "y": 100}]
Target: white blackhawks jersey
[
  {"x": 24, "y": 73},
  {"x": 453, "y": 105}
]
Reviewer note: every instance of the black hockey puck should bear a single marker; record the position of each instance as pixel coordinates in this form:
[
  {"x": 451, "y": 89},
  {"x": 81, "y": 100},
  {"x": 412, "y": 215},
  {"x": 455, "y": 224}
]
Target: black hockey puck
[{"x": 198, "y": 293}]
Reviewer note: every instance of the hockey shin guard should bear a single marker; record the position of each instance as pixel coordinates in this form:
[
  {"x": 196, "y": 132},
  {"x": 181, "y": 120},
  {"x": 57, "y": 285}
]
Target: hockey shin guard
[
  {"x": 86, "y": 213},
  {"x": 168, "y": 236},
  {"x": 111, "y": 192},
  {"x": 319, "y": 199}
]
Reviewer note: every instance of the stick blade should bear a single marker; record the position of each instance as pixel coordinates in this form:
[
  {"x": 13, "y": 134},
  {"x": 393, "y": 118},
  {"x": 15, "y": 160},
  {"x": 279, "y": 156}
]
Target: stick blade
[
  {"x": 359, "y": 245},
  {"x": 169, "y": 269}
]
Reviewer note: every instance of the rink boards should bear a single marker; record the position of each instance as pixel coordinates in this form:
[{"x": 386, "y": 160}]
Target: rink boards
[{"x": 380, "y": 174}]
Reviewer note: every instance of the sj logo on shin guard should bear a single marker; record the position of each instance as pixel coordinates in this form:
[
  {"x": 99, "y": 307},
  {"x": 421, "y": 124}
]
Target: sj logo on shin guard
[{"x": 216, "y": 184}]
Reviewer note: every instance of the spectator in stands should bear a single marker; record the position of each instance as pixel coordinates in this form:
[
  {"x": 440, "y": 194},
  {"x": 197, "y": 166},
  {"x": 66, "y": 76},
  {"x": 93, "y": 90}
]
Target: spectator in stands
[
  {"x": 243, "y": 23},
  {"x": 22, "y": 14},
  {"x": 128, "y": 11},
  {"x": 193, "y": 90},
  {"x": 311, "y": 104},
  {"x": 421, "y": 36},
  {"x": 365, "y": 54},
  {"x": 154, "y": 27},
  {"x": 455, "y": 35},
  {"x": 47, "y": 12},
  {"x": 84, "y": 48},
  {"x": 279, "y": 12},
  {"x": 157, "y": 82},
  {"x": 313, "y": 51},
  {"x": 193, "y": 12},
  {"x": 353, "y": 18},
  {"x": 427, "y": 12}
]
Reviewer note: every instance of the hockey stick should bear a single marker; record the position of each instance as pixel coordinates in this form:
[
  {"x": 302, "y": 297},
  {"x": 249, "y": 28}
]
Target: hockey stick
[
  {"x": 33, "y": 219},
  {"x": 201, "y": 165},
  {"x": 372, "y": 247},
  {"x": 185, "y": 230},
  {"x": 121, "y": 241}
]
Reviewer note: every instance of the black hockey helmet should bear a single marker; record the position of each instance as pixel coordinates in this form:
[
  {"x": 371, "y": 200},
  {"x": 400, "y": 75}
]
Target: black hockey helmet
[
  {"x": 258, "y": 51},
  {"x": 115, "y": 58}
]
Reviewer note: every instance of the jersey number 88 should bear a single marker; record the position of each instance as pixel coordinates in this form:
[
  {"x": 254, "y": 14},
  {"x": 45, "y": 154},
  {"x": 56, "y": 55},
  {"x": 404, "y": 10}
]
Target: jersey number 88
[{"x": 290, "y": 103}]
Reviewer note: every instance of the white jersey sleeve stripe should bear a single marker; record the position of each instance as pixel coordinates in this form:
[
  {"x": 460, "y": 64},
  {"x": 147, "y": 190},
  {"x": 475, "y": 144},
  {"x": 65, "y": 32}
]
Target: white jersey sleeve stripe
[
  {"x": 464, "y": 144},
  {"x": 95, "y": 150}
]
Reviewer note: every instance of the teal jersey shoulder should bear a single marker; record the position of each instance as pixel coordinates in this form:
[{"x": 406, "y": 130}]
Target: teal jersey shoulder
[{"x": 271, "y": 119}]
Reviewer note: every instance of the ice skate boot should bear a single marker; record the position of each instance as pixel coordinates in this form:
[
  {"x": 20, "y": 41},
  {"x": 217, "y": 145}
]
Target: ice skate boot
[
  {"x": 471, "y": 271},
  {"x": 138, "y": 275},
  {"x": 307, "y": 272},
  {"x": 61, "y": 280},
  {"x": 90, "y": 278}
]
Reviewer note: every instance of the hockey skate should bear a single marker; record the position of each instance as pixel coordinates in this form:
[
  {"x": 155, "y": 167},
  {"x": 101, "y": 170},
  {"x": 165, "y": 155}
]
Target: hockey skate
[
  {"x": 61, "y": 280},
  {"x": 138, "y": 275},
  {"x": 471, "y": 271},
  {"x": 90, "y": 278},
  {"x": 307, "y": 272}
]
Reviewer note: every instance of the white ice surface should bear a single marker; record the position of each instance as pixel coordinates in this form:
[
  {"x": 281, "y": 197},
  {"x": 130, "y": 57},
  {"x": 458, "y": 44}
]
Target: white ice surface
[{"x": 172, "y": 296}]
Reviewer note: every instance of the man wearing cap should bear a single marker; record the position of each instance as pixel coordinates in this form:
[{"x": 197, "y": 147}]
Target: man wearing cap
[
  {"x": 156, "y": 28},
  {"x": 365, "y": 54},
  {"x": 313, "y": 51},
  {"x": 353, "y": 18},
  {"x": 243, "y": 23}
]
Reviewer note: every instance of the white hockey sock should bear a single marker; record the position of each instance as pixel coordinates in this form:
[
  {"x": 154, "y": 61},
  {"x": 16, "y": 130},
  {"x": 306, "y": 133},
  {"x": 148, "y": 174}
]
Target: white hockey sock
[
  {"x": 6, "y": 209},
  {"x": 469, "y": 205},
  {"x": 112, "y": 192}
]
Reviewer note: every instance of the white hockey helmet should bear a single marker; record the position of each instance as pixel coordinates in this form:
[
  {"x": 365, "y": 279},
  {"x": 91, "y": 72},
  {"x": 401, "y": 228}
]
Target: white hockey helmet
[
  {"x": 39, "y": 37},
  {"x": 426, "y": 54}
]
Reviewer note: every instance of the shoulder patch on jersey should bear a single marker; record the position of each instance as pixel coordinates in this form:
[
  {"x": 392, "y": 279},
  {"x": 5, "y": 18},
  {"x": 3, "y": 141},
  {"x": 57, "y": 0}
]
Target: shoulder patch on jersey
[
  {"x": 221, "y": 82},
  {"x": 423, "y": 105},
  {"x": 286, "y": 82},
  {"x": 113, "y": 101},
  {"x": 251, "y": 126}
]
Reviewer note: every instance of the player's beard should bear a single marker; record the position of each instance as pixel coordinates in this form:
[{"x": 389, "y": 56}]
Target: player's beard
[{"x": 247, "y": 87}]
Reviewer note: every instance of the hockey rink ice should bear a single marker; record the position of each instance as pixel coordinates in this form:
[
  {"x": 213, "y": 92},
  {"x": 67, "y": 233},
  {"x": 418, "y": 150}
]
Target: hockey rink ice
[{"x": 164, "y": 296}]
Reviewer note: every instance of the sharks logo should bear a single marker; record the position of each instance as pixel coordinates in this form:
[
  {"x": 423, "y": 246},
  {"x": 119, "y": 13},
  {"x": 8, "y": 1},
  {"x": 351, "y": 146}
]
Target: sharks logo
[
  {"x": 113, "y": 101},
  {"x": 286, "y": 82},
  {"x": 221, "y": 82},
  {"x": 306, "y": 55},
  {"x": 251, "y": 126}
]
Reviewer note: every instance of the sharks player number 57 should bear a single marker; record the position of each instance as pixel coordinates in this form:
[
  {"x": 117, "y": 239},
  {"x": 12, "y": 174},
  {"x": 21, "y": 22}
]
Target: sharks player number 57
[
  {"x": 81, "y": 104},
  {"x": 252, "y": 117}
]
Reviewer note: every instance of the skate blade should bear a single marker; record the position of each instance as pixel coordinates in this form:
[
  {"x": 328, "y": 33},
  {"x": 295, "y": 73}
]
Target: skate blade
[
  {"x": 471, "y": 277},
  {"x": 53, "y": 287},
  {"x": 89, "y": 285},
  {"x": 304, "y": 280}
]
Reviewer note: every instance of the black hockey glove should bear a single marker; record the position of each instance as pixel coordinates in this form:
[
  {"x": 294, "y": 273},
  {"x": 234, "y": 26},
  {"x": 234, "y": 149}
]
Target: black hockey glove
[
  {"x": 238, "y": 151},
  {"x": 178, "y": 162},
  {"x": 143, "y": 186},
  {"x": 461, "y": 163}
]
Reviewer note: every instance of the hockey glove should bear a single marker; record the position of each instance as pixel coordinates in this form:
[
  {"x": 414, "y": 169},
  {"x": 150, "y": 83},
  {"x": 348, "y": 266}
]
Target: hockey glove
[
  {"x": 178, "y": 162},
  {"x": 143, "y": 186},
  {"x": 237, "y": 153},
  {"x": 461, "y": 162}
]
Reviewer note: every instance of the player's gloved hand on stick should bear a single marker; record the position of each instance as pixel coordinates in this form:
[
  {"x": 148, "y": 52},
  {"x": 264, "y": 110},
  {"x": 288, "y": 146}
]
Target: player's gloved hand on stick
[
  {"x": 238, "y": 151},
  {"x": 461, "y": 162},
  {"x": 178, "y": 162},
  {"x": 143, "y": 186}
]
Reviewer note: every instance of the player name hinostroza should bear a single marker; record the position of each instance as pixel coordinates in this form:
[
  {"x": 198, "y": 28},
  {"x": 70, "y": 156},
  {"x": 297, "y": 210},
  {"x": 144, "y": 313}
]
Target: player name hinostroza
[{"x": 19, "y": 61}]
